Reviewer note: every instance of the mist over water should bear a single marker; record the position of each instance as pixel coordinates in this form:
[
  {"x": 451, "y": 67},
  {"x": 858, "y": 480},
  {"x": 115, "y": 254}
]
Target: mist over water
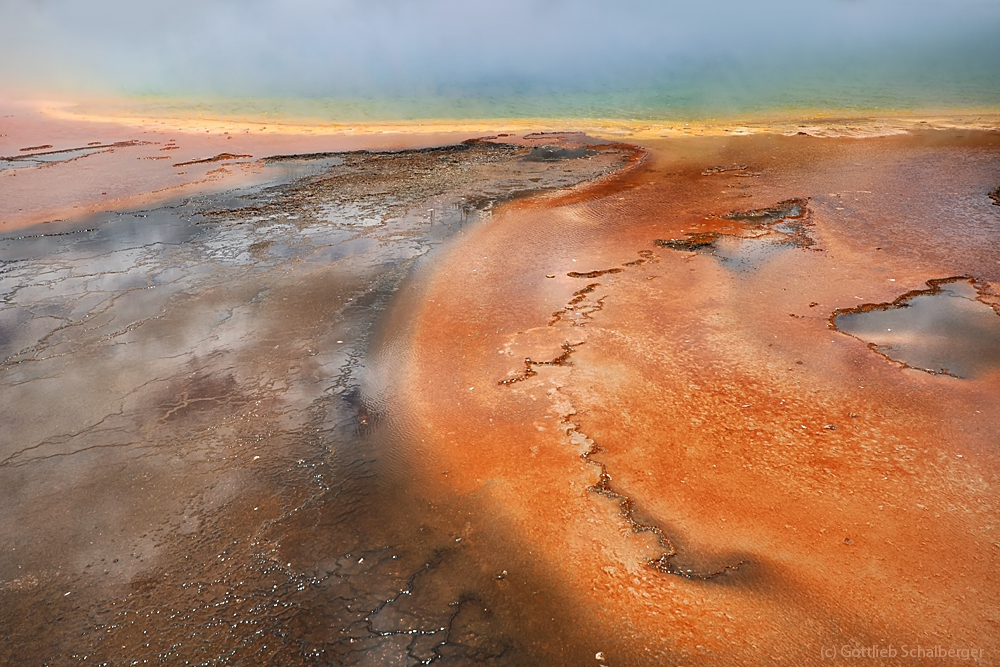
[{"x": 445, "y": 59}]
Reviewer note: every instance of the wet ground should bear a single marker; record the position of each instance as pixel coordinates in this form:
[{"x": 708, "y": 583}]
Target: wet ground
[
  {"x": 548, "y": 402},
  {"x": 650, "y": 392},
  {"x": 58, "y": 169},
  {"x": 201, "y": 462}
]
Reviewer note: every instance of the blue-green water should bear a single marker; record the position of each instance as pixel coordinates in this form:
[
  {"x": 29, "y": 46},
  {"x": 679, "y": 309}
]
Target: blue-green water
[
  {"x": 680, "y": 102},
  {"x": 730, "y": 89}
]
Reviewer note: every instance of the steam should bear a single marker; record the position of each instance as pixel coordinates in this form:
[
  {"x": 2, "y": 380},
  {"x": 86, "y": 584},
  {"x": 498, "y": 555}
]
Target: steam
[{"x": 450, "y": 48}]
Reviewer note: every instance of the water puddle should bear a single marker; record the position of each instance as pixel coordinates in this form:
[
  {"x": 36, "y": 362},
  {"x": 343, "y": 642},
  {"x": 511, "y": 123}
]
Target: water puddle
[
  {"x": 944, "y": 330},
  {"x": 760, "y": 235},
  {"x": 18, "y": 162},
  {"x": 40, "y": 158}
]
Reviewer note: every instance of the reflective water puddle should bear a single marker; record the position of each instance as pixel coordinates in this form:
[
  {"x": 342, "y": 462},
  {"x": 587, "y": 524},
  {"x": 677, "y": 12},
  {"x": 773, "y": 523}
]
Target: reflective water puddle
[
  {"x": 760, "y": 234},
  {"x": 945, "y": 330}
]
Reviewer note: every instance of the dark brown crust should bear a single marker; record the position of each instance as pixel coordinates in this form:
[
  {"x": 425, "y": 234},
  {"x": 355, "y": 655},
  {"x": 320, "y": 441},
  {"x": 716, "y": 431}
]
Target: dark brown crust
[{"x": 218, "y": 158}]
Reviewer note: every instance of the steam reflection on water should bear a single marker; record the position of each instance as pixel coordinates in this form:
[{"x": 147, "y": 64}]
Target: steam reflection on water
[
  {"x": 945, "y": 330},
  {"x": 198, "y": 463}
]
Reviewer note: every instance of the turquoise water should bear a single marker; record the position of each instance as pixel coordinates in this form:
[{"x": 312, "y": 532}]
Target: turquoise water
[
  {"x": 725, "y": 90},
  {"x": 683, "y": 102}
]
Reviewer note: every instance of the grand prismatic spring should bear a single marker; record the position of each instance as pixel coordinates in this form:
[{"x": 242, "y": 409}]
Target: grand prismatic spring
[{"x": 582, "y": 377}]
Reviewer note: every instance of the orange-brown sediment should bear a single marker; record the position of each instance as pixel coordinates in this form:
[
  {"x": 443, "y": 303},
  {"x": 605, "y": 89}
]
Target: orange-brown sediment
[
  {"x": 709, "y": 471},
  {"x": 607, "y": 420}
]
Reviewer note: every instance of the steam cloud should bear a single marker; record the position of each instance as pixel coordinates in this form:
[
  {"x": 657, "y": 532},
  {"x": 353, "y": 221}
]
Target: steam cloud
[{"x": 395, "y": 47}]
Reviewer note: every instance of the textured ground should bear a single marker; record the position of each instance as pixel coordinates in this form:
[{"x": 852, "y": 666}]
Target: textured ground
[
  {"x": 198, "y": 463},
  {"x": 537, "y": 402}
]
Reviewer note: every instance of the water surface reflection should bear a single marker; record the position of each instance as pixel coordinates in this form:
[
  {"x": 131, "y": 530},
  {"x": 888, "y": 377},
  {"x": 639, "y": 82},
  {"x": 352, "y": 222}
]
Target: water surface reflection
[
  {"x": 198, "y": 467},
  {"x": 944, "y": 330}
]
